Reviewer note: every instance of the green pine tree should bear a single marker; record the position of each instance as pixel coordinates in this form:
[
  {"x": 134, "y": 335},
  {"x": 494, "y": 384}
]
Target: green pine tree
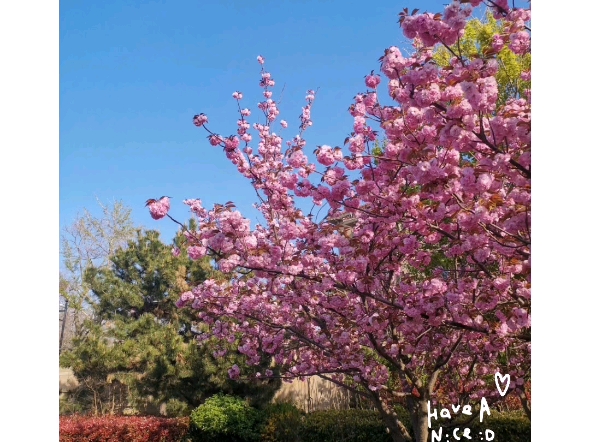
[{"x": 142, "y": 347}]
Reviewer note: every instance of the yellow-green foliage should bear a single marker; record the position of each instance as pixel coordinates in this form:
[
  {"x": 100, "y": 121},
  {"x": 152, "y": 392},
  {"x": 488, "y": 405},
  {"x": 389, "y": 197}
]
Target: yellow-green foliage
[{"x": 476, "y": 42}]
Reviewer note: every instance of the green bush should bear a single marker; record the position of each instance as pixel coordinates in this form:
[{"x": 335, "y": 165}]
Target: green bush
[
  {"x": 507, "y": 427},
  {"x": 225, "y": 419},
  {"x": 366, "y": 425},
  {"x": 283, "y": 423},
  {"x": 229, "y": 419},
  {"x": 343, "y": 426}
]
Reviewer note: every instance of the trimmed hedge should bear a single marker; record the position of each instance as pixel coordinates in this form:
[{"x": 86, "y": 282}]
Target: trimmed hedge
[
  {"x": 343, "y": 426},
  {"x": 366, "y": 426},
  {"x": 507, "y": 427},
  {"x": 229, "y": 419},
  {"x": 122, "y": 429}
]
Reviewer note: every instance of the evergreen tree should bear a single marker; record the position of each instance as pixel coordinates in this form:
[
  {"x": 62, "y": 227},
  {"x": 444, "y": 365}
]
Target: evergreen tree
[{"x": 141, "y": 343}]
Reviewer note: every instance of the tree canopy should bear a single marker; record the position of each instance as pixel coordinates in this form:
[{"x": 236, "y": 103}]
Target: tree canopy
[{"x": 417, "y": 284}]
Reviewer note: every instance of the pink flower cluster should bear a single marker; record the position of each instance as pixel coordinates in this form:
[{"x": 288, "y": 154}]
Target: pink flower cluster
[
  {"x": 372, "y": 81},
  {"x": 160, "y": 208},
  {"x": 199, "y": 120},
  {"x": 436, "y": 28},
  {"x": 234, "y": 372}
]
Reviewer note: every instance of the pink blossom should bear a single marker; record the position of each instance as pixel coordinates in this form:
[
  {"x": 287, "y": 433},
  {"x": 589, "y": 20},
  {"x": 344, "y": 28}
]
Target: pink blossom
[
  {"x": 237, "y": 95},
  {"x": 260, "y": 59},
  {"x": 196, "y": 252},
  {"x": 215, "y": 140},
  {"x": 484, "y": 182},
  {"x": 226, "y": 265},
  {"x": 159, "y": 208},
  {"x": 232, "y": 142},
  {"x": 372, "y": 81},
  {"x": 234, "y": 372},
  {"x": 196, "y": 206},
  {"x": 185, "y": 298},
  {"x": 497, "y": 43},
  {"x": 520, "y": 42},
  {"x": 393, "y": 62},
  {"x": 200, "y": 119}
]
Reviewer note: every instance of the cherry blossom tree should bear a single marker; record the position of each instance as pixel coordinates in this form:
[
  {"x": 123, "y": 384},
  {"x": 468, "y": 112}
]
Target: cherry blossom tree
[{"x": 416, "y": 286}]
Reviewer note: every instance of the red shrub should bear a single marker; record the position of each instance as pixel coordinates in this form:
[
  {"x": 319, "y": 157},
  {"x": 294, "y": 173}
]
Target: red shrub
[{"x": 121, "y": 429}]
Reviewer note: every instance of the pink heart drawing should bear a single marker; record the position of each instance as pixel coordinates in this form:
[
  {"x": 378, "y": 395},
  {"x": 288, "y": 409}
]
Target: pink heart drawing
[{"x": 502, "y": 378}]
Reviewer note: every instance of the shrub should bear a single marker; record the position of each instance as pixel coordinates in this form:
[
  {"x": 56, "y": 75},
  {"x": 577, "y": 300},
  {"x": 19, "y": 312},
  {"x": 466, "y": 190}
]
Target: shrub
[
  {"x": 121, "y": 429},
  {"x": 367, "y": 426},
  {"x": 512, "y": 426},
  {"x": 344, "y": 425},
  {"x": 283, "y": 423},
  {"x": 225, "y": 418},
  {"x": 509, "y": 427}
]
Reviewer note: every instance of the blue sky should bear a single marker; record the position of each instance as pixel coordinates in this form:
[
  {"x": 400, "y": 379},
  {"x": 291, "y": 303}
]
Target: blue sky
[{"x": 133, "y": 74}]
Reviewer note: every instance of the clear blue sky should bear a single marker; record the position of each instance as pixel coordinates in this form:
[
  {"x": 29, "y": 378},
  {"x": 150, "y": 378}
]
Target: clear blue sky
[{"x": 133, "y": 74}]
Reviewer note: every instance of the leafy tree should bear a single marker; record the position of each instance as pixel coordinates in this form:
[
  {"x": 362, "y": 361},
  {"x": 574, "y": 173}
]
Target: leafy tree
[
  {"x": 90, "y": 241},
  {"x": 418, "y": 282},
  {"x": 141, "y": 341},
  {"x": 482, "y": 40},
  {"x": 490, "y": 39}
]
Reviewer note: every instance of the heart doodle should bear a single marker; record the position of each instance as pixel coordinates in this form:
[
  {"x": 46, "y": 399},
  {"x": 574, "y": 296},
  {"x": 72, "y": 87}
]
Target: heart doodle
[{"x": 502, "y": 378}]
